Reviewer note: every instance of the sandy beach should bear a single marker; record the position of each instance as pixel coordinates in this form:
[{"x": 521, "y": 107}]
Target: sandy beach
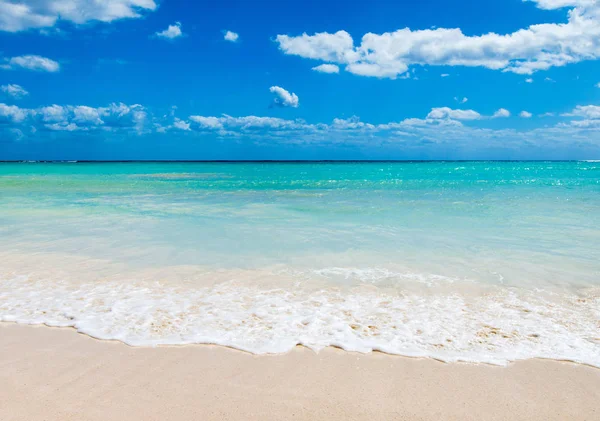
[{"x": 58, "y": 374}]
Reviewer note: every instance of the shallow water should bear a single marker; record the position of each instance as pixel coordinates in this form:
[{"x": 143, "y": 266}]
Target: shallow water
[{"x": 476, "y": 261}]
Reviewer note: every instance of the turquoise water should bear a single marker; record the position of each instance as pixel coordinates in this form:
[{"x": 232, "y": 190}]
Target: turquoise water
[{"x": 263, "y": 256}]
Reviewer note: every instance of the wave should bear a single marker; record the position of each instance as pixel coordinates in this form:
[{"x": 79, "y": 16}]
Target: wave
[{"x": 496, "y": 326}]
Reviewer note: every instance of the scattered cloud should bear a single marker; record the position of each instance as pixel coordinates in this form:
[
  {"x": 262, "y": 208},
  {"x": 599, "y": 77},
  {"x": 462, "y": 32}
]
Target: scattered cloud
[
  {"x": 525, "y": 114},
  {"x": 30, "y": 62},
  {"x": 526, "y": 51},
  {"x": 461, "y": 101},
  {"x": 116, "y": 116},
  {"x": 172, "y": 32},
  {"x": 501, "y": 113},
  {"x": 598, "y": 85},
  {"x": 208, "y": 122},
  {"x": 449, "y": 113},
  {"x": 441, "y": 128},
  {"x": 227, "y": 122},
  {"x": 548, "y": 79},
  {"x": 12, "y": 114},
  {"x": 231, "y": 36},
  {"x": 529, "y": 80},
  {"x": 22, "y": 15},
  {"x": 14, "y": 91},
  {"x": 444, "y": 75},
  {"x": 586, "y": 111},
  {"x": 351, "y": 123},
  {"x": 284, "y": 98},
  {"x": 181, "y": 125},
  {"x": 327, "y": 68}
]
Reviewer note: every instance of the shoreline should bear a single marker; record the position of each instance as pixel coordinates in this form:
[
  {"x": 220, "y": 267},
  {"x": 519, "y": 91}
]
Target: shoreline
[
  {"x": 329, "y": 348},
  {"x": 59, "y": 374}
]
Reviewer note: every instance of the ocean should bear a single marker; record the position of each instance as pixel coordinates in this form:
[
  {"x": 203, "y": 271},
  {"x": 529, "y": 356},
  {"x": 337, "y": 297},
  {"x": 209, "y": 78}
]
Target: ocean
[{"x": 460, "y": 261}]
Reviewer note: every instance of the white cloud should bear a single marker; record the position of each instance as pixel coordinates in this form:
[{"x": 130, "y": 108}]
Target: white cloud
[
  {"x": 31, "y": 62},
  {"x": 52, "y": 113},
  {"x": 444, "y": 75},
  {"x": 207, "y": 122},
  {"x": 284, "y": 98},
  {"x": 461, "y": 101},
  {"x": 87, "y": 116},
  {"x": 14, "y": 91},
  {"x": 501, "y": 113},
  {"x": 12, "y": 114},
  {"x": 441, "y": 127},
  {"x": 228, "y": 125},
  {"x": 586, "y": 111},
  {"x": 525, "y": 114},
  {"x": 529, "y": 80},
  {"x": 114, "y": 117},
  {"x": 351, "y": 123},
  {"x": 585, "y": 123},
  {"x": 338, "y": 47},
  {"x": 21, "y": 15},
  {"x": 410, "y": 132},
  {"x": 598, "y": 85},
  {"x": 557, "y": 4},
  {"x": 389, "y": 55},
  {"x": 181, "y": 125},
  {"x": 231, "y": 36},
  {"x": 327, "y": 68},
  {"x": 446, "y": 112},
  {"x": 172, "y": 32}
]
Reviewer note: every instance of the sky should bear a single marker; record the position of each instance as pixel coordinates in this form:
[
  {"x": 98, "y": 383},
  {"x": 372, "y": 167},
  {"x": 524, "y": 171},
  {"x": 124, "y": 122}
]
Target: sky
[{"x": 294, "y": 80}]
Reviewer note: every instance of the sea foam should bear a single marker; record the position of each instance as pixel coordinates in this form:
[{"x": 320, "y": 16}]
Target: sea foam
[{"x": 498, "y": 326}]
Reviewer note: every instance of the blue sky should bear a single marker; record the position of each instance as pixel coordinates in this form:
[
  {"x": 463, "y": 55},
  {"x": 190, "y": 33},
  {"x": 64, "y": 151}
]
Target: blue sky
[{"x": 326, "y": 79}]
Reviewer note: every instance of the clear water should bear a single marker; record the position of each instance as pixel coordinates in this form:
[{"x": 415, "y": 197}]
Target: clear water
[{"x": 475, "y": 261}]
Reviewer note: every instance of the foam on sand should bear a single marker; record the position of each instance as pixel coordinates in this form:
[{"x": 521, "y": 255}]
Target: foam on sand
[{"x": 495, "y": 326}]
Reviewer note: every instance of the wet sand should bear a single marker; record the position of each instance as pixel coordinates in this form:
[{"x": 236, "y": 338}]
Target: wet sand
[{"x": 57, "y": 374}]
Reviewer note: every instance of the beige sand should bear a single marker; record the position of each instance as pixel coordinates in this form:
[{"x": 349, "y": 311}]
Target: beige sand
[{"x": 57, "y": 374}]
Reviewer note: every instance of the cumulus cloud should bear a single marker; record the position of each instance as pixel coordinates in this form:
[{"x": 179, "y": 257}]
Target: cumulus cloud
[
  {"x": 284, "y": 98},
  {"x": 14, "y": 91},
  {"x": 327, "y": 68},
  {"x": 557, "y": 4},
  {"x": 410, "y": 132},
  {"x": 245, "y": 123},
  {"x": 525, "y": 114},
  {"x": 440, "y": 127},
  {"x": 21, "y": 15},
  {"x": 172, "y": 32},
  {"x": 588, "y": 117},
  {"x": 181, "y": 125},
  {"x": 501, "y": 113},
  {"x": 31, "y": 62},
  {"x": 116, "y": 116},
  {"x": 351, "y": 123},
  {"x": 212, "y": 123},
  {"x": 231, "y": 36},
  {"x": 586, "y": 111},
  {"x": 449, "y": 113},
  {"x": 389, "y": 55},
  {"x": 12, "y": 114}
]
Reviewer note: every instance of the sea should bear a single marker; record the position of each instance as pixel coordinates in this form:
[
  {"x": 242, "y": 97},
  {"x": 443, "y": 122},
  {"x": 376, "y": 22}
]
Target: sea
[{"x": 486, "y": 262}]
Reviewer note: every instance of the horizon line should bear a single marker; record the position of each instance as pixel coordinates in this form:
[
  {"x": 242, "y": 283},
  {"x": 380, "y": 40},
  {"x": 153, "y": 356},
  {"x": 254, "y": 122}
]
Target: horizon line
[{"x": 165, "y": 161}]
